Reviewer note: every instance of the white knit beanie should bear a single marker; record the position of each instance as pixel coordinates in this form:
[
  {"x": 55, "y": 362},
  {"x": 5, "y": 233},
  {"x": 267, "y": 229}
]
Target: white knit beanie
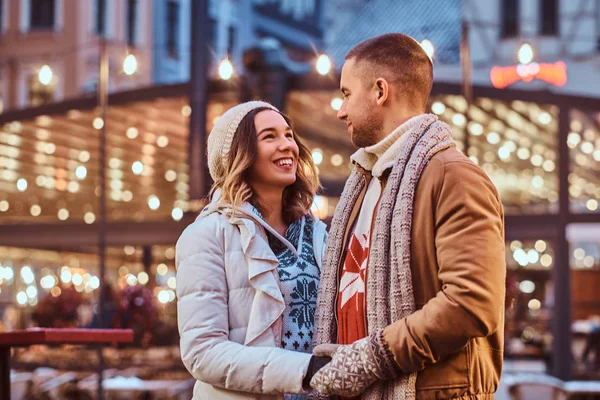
[{"x": 221, "y": 135}]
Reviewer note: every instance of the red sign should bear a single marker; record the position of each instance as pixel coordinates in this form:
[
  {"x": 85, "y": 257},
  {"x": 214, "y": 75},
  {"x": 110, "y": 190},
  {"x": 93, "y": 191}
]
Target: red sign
[{"x": 555, "y": 74}]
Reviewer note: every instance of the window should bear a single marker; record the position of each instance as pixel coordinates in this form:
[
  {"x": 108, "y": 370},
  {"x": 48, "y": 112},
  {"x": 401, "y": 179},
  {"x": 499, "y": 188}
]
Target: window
[
  {"x": 549, "y": 17},
  {"x": 101, "y": 17},
  {"x": 510, "y": 18},
  {"x": 131, "y": 22},
  {"x": 39, "y": 93},
  {"x": 42, "y": 14},
  {"x": 1, "y": 15},
  {"x": 173, "y": 29}
]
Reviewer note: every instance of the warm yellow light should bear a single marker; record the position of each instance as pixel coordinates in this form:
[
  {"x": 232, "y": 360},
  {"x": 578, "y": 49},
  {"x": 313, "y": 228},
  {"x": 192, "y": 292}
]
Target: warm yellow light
[
  {"x": 153, "y": 202},
  {"x": 317, "y": 156},
  {"x": 98, "y": 123},
  {"x": 137, "y": 167},
  {"x": 132, "y": 132},
  {"x": 336, "y": 103},
  {"x": 225, "y": 69},
  {"x": 47, "y": 282},
  {"x": 45, "y": 75},
  {"x": 170, "y": 175},
  {"x": 177, "y": 213},
  {"x": 320, "y": 207},
  {"x": 35, "y": 210},
  {"x": 337, "y": 160},
  {"x": 162, "y": 141},
  {"x": 89, "y": 218},
  {"x": 130, "y": 64},
  {"x": 525, "y": 54},
  {"x": 63, "y": 214},
  {"x": 131, "y": 280},
  {"x": 21, "y": 298},
  {"x": 81, "y": 172},
  {"x": 142, "y": 278},
  {"x": 22, "y": 185},
  {"x": 163, "y": 296},
  {"x": 323, "y": 64},
  {"x": 540, "y": 246},
  {"x": 65, "y": 276},
  {"x": 84, "y": 156},
  {"x": 428, "y": 47},
  {"x": 162, "y": 269},
  {"x": 546, "y": 260},
  {"x": 438, "y": 108},
  {"x": 172, "y": 282},
  {"x": 534, "y": 304},
  {"x": 523, "y": 153}
]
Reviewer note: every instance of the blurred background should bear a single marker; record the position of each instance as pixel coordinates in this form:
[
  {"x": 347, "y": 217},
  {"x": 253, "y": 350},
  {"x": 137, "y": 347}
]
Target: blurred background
[{"x": 104, "y": 110}]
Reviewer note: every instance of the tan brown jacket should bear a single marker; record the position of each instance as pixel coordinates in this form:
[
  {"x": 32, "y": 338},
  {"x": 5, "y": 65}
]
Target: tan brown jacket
[{"x": 455, "y": 338}]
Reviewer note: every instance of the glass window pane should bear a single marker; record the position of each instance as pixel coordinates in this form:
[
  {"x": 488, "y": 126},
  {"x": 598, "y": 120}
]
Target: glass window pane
[
  {"x": 584, "y": 260},
  {"x": 584, "y": 179},
  {"x": 514, "y": 143},
  {"x": 529, "y": 299}
]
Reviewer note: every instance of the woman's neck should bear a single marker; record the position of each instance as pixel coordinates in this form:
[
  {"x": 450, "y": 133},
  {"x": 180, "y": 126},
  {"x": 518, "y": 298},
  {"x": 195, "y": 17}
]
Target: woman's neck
[{"x": 273, "y": 212}]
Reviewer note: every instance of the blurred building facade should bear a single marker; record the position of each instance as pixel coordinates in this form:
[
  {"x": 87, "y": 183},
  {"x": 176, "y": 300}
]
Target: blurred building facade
[
  {"x": 64, "y": 36},
  {"x": 235, "y": 26}
]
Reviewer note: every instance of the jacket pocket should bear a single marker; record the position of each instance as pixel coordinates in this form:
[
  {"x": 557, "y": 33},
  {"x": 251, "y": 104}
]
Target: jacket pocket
[{"x": 450, "y": 372}]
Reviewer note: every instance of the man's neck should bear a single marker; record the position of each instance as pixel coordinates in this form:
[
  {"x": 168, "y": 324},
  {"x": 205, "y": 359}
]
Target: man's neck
[{"x": 395, "y": 120}]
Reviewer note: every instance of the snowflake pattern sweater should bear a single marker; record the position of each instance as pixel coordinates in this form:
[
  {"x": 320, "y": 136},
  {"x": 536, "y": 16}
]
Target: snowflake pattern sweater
[{"x": 299, "y": 282}]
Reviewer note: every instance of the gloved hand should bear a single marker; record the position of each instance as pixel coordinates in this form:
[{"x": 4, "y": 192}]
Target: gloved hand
[{"x": 355, "y": 367}]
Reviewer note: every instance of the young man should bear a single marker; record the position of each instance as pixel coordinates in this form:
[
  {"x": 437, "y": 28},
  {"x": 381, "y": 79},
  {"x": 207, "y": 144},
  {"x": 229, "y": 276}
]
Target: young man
[{"x": 412, "y": 290}]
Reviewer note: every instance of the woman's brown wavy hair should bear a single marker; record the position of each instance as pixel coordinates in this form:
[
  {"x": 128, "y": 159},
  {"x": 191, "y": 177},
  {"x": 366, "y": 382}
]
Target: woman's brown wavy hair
[{"x": 233, "y": 183}]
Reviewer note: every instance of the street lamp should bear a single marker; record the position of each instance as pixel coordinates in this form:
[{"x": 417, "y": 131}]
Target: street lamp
[
  {"x": 129, "y": 68},
  {"x": 45, "y": 75},
  {"x": 428, "y": 47},
  {"x": 323, "y": 64},
  {"x": 130, "y": 64},
  {"x": 525, "y": 54},
  {"x": 225, "y": 69}
]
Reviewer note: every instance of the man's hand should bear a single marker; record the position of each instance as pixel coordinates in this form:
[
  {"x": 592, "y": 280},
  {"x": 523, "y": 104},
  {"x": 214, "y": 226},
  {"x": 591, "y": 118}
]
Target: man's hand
[{"x": 354, "y": 367}]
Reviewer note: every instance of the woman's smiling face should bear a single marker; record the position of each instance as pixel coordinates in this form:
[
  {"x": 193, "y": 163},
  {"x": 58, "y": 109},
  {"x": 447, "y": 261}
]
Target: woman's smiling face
[{"x": 276, "y": 152}]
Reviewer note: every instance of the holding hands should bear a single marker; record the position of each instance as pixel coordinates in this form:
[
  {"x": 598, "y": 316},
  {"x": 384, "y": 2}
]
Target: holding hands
[{"x": 354, "y": 367}]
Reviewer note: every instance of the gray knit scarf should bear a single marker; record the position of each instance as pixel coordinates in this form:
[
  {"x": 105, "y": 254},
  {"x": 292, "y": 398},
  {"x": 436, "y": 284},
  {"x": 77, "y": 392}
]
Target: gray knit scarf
[{"x": 389, "y": 286}]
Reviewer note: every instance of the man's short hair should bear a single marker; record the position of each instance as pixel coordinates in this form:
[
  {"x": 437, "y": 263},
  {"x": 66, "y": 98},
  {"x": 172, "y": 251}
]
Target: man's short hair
[{"x": 399, "y": 59}]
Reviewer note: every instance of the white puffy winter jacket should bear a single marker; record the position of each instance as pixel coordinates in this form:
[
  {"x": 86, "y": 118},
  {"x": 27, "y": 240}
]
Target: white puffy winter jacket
[{"x": 230, "y": 308}]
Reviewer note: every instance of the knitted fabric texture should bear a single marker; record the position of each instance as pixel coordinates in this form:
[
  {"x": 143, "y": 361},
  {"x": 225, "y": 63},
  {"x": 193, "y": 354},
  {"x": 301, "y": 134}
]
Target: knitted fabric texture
[
  {"x": 389, "y": 286},
  {"x": 222, "y": 133}
]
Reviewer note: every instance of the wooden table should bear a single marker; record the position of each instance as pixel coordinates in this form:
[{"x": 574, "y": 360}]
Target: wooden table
[{"x": 52, "y": 336}]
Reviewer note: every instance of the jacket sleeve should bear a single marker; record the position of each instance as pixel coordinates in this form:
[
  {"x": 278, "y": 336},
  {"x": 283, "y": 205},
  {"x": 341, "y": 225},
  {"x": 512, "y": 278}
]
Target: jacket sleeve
[
  {"x": 203, "y": 319},
  {"x": 470, "y": 252}
]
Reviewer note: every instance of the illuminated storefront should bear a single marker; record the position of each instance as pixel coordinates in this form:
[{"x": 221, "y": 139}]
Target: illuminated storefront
[{"x": 541, "y": 150}]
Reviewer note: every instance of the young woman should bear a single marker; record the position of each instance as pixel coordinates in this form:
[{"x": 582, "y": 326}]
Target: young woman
[{"x": 248, "y": 268}]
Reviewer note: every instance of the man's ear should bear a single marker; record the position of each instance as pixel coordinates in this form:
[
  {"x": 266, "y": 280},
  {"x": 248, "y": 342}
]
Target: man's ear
[{"x": 382, "y": 90}]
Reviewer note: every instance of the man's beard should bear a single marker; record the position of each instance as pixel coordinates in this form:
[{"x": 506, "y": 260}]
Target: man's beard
[{"x": 368, "y": 133}]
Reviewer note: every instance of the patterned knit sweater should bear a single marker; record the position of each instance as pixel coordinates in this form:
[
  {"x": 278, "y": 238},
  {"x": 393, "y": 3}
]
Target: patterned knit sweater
[{"x": 299, "y": 282}]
